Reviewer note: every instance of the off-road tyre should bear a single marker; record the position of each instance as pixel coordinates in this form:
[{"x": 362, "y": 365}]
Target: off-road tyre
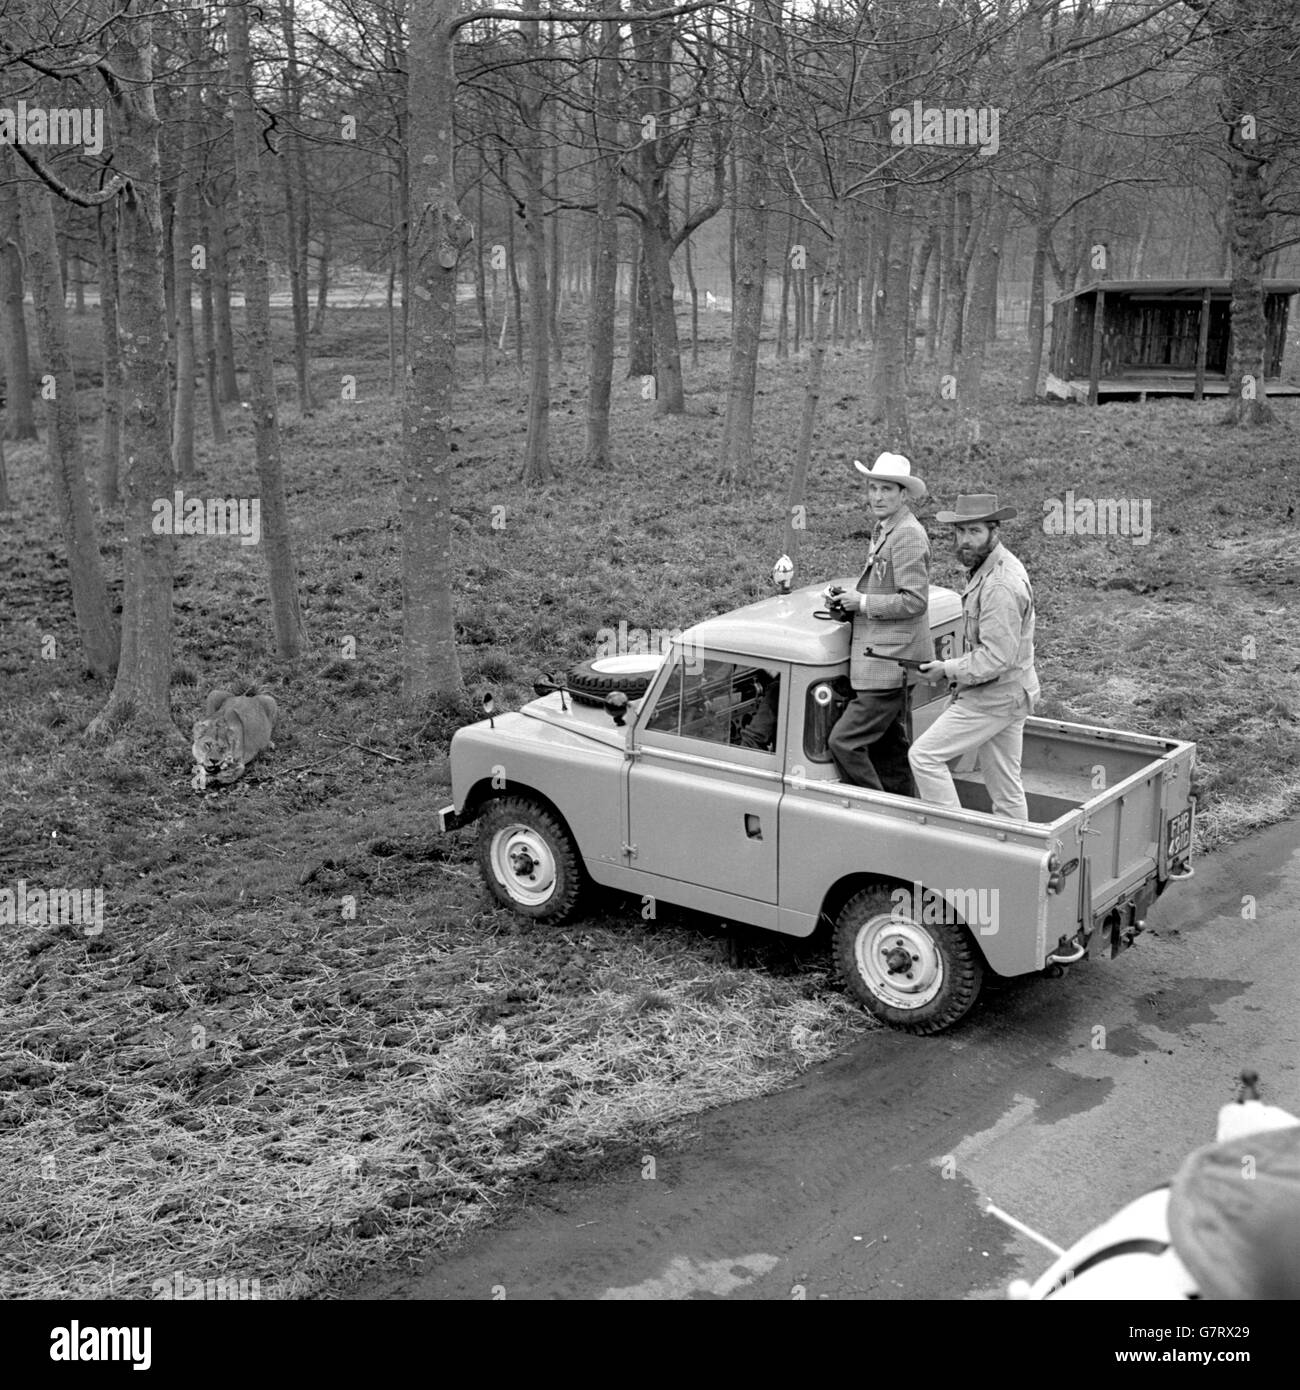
[
  {"x": 528, "y": 859},
  {"x": 590, "y": 682},
  {"x": 945, "y": 973}
]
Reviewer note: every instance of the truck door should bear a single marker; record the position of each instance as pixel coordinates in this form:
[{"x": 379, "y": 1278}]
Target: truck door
[{"x": 705, "y": 782}]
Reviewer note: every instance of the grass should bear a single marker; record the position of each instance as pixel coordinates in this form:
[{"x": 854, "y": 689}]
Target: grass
[{"x": 237, "y": 1078}]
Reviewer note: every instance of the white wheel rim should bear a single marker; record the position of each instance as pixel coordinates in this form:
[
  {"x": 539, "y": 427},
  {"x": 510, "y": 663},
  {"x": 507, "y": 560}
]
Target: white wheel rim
[
  {"x": 523, "y": 864},
  {"x": 883, "y": 944},
  {"x": 626, "y": 665}
]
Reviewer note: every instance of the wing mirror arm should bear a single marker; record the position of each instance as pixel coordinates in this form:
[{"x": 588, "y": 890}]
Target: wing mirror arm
[{"x": 547, "y": 684}]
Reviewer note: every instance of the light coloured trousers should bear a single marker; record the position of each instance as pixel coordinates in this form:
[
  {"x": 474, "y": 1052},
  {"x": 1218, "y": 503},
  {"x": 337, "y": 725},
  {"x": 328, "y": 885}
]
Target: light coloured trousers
[{"x": 999, "y": 735}]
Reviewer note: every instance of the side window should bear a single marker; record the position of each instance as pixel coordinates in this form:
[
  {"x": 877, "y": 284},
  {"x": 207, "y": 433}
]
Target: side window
[
  {"x": 722, "y": 702},
  {"x": 825, "y": 702},
  {"x": 667, "y": 714}
]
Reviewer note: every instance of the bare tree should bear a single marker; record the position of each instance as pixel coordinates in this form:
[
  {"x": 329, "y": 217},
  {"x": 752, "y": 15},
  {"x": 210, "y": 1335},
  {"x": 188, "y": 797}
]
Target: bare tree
[
  {"x": 184, "y": 227},
  {"x": 756, "y": 89},
  {"x": 110, "y": 463},
  {"x": 286, "y": 612},
  {"x": 604, "y": 250},
  {"x": 437, "y": 234},
  {"x": 141, "y": 693},
  {"x": 20, "y": 422},
  {"x": 95, "y": 625}
]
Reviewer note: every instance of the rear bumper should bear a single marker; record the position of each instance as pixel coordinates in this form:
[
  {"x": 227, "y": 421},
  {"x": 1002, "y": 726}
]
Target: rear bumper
[{"x": 447, "y": 819}]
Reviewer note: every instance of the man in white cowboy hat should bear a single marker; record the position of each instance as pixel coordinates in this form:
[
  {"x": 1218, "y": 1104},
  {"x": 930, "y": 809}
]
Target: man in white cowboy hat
[
  {"x": 889, "y": 607},
  {"x": 995, "y": 684}
]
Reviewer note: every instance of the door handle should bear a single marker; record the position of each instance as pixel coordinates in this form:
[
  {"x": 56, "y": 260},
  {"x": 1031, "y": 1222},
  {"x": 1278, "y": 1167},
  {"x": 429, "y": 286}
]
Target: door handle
[{"x": 753, "y": 826}]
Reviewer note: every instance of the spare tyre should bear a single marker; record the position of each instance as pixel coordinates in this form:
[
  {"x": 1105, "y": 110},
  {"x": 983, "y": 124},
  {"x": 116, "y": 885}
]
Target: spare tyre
[{"x": 590, "y": 682}]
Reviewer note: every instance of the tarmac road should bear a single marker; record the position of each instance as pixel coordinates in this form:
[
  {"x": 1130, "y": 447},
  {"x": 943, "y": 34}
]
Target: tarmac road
[{"x": 1058, "y": 1100}]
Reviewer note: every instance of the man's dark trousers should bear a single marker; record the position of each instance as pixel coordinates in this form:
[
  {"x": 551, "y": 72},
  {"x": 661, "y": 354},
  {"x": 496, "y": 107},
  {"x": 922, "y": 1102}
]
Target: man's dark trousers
[{"x": 869, "y": 742}]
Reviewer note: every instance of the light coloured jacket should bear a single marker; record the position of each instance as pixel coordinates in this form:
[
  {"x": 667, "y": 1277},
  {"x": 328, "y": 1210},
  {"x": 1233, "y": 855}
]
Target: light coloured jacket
[
  {"x": 895, "y": 616},
  {"x": 998, "y": 664}
]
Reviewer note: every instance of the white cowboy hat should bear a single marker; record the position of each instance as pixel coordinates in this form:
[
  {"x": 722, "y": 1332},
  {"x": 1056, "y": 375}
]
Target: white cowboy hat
[{"x": 893, "y": 468}]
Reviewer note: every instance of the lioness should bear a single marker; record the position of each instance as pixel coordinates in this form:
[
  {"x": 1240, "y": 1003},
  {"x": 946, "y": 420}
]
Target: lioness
[{"x": 236, "y": 730}]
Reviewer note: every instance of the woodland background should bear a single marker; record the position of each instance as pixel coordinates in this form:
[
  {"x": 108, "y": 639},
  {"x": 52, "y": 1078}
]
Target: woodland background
[{"x": 430, "y": 284}]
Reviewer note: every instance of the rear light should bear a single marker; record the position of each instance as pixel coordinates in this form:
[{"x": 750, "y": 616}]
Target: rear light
[{"x": 1057, "y": 872}]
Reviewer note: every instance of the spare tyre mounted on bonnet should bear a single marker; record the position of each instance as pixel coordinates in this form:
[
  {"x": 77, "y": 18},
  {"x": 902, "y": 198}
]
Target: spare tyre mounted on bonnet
[{"x": 590, "y": 682}]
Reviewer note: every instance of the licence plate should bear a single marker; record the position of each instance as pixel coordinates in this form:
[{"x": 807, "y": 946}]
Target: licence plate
[{"x": 1178, "y": 835}]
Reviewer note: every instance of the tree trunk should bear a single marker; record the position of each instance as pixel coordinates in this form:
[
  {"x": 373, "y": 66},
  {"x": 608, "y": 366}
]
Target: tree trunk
[
  {"x": 516, "y": 295},
  {"x": 297, "y": 207},
  {"x": 1237, "y": 41},
  {"x": 210, "y": 356},
  {"x": 690, "y": 277},
  {"x": 1037, "y": 312},
  {"x": 286, "y": 614},
  {"x": 142, "y": 691},
  {"x": 555, "y": 241},
  {"x": 960, "y": 249},
  {"x": 436, "y": 235},
  {"x": 480, "y": 281},
  {"x": 657, "y": 254},
  {"x": 971, "y": 369},
  {"x": 537, "y": 448},
  {"x": 641, "y": 355},
  {"x": 183, "y": 230},
  {"x": 783, "y": 323},
  {"x": 95, "y": 627},
  {"x": 78, "y": 286},
  {"x": 794, "y": 513},
  {"x": 20, "y": 420},
  {"x": 390, "y": 293},
  {"x": 751, "y": 188},
  {"x": 111, "y": 390},
  {"x": 219, "y": 265},
  {"x": 654, "y": 44},
  {"x": 604, "y": 254},
  {"x": 887, "y": 392},
  {"x": 323, "y": 276},
  {"x": 925, "y": 248}
]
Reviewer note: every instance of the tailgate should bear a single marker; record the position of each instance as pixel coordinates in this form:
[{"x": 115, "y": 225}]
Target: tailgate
[{"x": 1138, "y": 830}]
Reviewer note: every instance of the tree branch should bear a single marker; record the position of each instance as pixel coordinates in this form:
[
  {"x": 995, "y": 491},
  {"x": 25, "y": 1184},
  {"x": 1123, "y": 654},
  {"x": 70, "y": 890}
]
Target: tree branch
[
  {"x": 71, "y": 195},
  {"x": 577, "y": 16}
]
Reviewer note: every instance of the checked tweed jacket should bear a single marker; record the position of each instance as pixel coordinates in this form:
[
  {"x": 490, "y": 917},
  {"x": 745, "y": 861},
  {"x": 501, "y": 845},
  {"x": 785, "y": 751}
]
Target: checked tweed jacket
[{"x": 896, "y": 611}]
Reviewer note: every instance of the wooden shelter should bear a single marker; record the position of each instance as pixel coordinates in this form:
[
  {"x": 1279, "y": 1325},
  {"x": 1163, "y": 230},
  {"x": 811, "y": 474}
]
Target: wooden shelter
[{"x": 1158, "y": 337}]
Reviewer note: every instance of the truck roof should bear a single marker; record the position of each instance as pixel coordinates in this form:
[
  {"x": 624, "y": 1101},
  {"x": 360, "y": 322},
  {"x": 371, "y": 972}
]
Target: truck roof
[{"x": 782, "y": 628}]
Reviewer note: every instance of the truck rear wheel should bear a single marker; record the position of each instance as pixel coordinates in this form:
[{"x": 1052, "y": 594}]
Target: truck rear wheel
[
  {"x": 529, "y": 860},
  {"x": 918, "y": 977}
]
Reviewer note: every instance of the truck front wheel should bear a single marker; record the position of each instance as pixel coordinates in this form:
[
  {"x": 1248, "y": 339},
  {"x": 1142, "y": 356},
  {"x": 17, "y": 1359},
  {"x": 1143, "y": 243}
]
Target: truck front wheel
[
  {"x": 528, "y": 859},
  {"x": 919, "y": 977}
]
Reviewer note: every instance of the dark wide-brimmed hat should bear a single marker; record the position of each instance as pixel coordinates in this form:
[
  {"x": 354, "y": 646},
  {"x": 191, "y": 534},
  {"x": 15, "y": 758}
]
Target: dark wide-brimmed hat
[
  {"x": 893, "y": 468},
  {"x": 976, "y": 506}
]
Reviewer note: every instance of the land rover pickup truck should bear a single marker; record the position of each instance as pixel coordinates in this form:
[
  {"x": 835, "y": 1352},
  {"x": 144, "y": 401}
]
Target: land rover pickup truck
[{"x": 708, "y": 783}]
